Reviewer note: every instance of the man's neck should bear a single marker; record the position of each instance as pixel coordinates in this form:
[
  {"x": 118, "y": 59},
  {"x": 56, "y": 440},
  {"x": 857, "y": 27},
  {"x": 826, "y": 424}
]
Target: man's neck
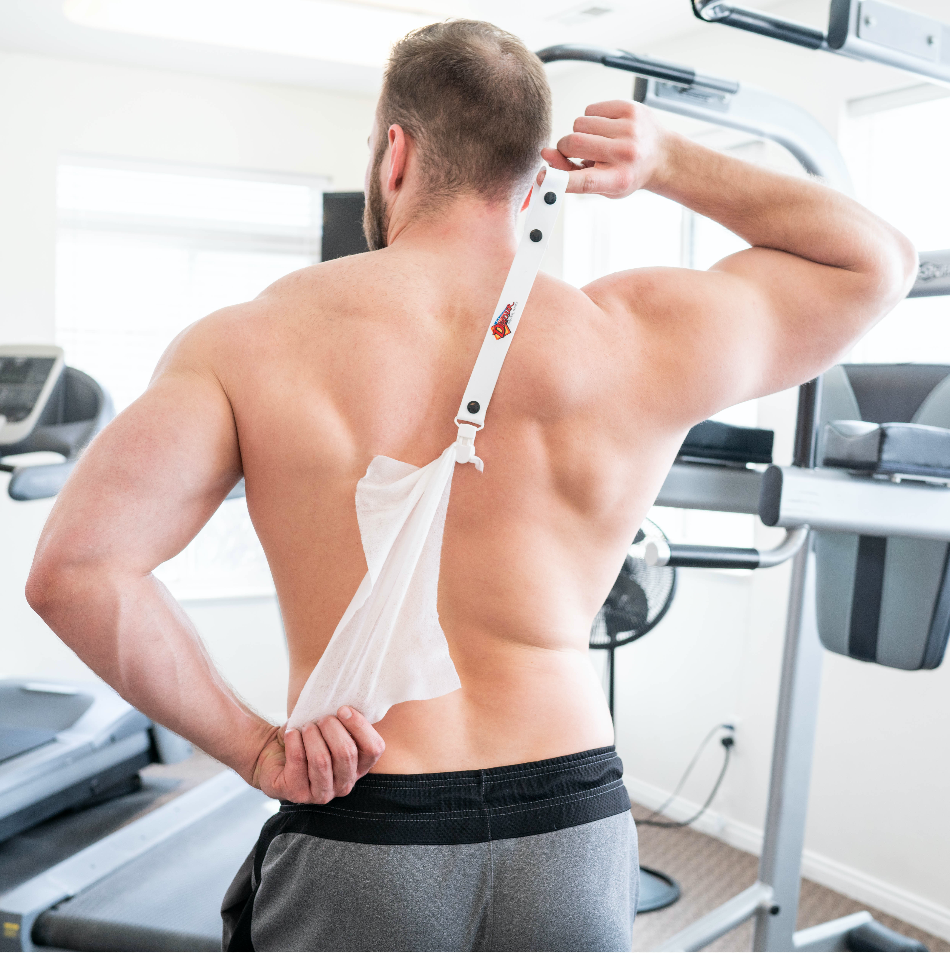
[{"x": 464, "y": 226}]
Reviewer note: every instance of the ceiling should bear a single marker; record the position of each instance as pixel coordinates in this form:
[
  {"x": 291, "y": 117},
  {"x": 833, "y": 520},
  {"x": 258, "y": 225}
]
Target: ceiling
[{"x": 40, "y": 26}]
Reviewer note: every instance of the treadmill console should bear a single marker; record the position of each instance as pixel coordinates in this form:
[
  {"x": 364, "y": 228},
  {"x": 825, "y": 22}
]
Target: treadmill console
[{"x": 28, "y": 376}]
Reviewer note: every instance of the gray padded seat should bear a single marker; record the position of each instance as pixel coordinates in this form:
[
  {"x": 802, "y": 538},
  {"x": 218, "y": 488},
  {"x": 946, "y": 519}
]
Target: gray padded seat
[
  {"x": 891, "y": 449},
  {"x": 885, "y": 599}
]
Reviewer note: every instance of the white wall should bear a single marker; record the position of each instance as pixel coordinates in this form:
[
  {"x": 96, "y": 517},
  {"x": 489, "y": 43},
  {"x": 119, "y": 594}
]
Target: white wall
[
  {"x": 878, "y": 825},
  {"x": 49, "y": 107}
]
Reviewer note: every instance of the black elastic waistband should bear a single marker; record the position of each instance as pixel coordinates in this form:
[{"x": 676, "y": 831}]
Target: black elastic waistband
[{"x": 466, "y": 807}]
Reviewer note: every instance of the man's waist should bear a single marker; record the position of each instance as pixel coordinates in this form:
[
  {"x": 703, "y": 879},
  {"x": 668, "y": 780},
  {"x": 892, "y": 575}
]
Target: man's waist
[{"x": 468, "y": 806}]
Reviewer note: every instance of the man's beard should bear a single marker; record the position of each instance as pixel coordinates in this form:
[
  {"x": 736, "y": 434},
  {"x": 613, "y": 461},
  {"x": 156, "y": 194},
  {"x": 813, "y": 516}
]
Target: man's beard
[{"x": 376, "y": 213}]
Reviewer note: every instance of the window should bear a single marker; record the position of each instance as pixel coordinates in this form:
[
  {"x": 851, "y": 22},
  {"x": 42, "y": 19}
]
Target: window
[
  {"x": 896, "y": 146},
  {"x": 143, "y": 251}
]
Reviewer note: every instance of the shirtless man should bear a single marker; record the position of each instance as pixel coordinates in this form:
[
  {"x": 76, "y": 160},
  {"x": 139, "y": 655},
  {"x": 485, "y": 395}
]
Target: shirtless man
[{"x": 299, "y": 389}]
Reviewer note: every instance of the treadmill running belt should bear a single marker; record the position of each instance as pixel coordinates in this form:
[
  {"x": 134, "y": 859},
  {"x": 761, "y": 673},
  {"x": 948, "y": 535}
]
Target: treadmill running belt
[
  {"x": 167, "y": 899},
  {"x": 17, "y": 741}
]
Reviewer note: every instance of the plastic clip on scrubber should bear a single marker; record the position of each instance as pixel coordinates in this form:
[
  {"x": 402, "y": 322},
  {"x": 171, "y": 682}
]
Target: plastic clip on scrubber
[
  {"x": 465, "y": 446},
  {"x": 389, "y": 647}
]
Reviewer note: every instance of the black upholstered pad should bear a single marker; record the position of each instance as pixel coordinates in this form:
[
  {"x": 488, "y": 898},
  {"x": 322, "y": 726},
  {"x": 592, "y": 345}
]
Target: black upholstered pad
[
  {"x": 887, "y": 448},
  {"x": 717, "y": 442}
]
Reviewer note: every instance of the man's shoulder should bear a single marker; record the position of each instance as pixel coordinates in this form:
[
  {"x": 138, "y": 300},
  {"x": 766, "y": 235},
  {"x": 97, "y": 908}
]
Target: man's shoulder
[
  {"x": 304, "y": 293},
  {"x": 241, "y": 341},
  {"x": 559, "y": 296},
  {"x": 658, "y": 295},
  {"x": 323, "y": 277}
]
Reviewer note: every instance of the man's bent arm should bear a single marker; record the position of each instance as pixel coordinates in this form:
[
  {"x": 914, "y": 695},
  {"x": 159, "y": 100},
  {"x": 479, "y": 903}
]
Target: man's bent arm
[
  {"x": 140, "y": 493},
  {"x": 822, "y": 269}
]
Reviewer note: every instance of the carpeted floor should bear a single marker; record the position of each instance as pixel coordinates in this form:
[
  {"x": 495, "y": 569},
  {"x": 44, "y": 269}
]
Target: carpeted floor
[{"x": 710, "y": 872}]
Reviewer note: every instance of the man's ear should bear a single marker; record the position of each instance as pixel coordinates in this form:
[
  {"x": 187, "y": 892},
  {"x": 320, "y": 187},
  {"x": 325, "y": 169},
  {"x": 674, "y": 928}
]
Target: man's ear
[
  {"x": 527, "y": 199},
  {"x": 398, "y": 156}
]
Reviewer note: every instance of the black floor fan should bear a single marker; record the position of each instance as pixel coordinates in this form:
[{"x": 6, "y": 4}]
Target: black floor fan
[{"x": 638, "y": 600}]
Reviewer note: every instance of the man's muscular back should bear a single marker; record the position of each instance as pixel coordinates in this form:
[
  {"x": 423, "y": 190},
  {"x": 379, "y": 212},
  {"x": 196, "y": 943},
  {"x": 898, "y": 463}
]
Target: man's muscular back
[
  {"x": 369, "y": 356},
  {"x": 301, "y": 388}
]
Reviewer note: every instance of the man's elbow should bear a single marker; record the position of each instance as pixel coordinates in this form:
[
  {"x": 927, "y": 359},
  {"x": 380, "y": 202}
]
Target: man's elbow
[
  {"x": 895, "y": 270},
  {"x": 55, "y": 583},
  {"x": 42, "y": 586}
]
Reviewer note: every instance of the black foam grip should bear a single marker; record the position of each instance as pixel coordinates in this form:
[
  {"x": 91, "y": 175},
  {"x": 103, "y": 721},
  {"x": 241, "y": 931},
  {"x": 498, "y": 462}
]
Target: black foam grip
[
  {"x": 712, "y": 557},
  {"x": 770, "y": 496}
]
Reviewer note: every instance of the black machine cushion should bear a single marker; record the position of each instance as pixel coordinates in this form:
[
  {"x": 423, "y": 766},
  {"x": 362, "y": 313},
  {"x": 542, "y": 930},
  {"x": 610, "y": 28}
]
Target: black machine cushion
[
  {"x": 716, "y": 442},
  {"x": 887, "y": 448}
]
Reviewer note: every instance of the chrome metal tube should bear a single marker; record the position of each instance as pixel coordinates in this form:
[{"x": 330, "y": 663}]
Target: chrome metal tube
[{"x": 657, "y": 552}]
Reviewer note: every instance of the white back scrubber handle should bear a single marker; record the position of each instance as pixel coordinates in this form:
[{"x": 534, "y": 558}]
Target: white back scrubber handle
[{"x": 543, "y": 209}]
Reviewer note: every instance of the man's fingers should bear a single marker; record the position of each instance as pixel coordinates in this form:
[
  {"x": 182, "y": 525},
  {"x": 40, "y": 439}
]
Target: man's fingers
[
  {"x": 344, "y": 753},
  {"x": 295, "y": 779},
  {"x": 613, "y": 109},
  {"x": 556, "y": 161},
  {"x": 369, "y": 743},
  {"x": 319, "y": 765},
  {"x": 605, "y": 128},
  {"x": 324, "y": 761},
  {"x": 580, "y": 145}
]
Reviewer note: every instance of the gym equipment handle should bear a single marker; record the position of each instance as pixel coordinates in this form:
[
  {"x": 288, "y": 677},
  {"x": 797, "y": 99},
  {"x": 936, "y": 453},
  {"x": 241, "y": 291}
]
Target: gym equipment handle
[
  {"x": 657, "y": 552},
  {"x": 754, "y": 21},
  {"x": 641, "y": 65}
]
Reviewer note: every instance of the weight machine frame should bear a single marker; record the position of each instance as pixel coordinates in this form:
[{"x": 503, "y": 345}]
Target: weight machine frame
[{"x": 772, "y": 901}]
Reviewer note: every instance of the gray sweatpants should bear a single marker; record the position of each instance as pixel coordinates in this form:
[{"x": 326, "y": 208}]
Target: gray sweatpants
[{"x": 539, "y": 856}]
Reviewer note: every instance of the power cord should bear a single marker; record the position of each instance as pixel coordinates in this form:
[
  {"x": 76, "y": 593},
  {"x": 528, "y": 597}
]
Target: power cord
[{"x": 727, "y": 742}]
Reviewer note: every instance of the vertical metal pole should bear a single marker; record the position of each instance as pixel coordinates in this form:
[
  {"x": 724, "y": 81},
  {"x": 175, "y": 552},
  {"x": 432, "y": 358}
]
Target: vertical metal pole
[
  {"x": 610, "y": 680},
  {"x": 780, "y": 863},
  {"x": 796, "y": 720}
]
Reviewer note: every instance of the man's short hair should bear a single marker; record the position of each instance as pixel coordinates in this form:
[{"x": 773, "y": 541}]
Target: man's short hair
[{"x": 476, "y": 102}]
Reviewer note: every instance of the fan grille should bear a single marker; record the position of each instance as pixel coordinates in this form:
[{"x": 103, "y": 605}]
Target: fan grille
[{"x": 638, "y": 600}]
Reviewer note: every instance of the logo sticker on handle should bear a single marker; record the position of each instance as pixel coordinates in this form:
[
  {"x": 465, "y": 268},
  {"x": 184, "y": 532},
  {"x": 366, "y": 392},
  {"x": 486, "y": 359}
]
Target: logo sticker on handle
[{"x": 500, "y": 328}]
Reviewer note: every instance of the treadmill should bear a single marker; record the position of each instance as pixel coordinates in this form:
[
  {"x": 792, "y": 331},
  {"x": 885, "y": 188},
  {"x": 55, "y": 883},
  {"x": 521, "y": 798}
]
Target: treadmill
[{"x": 65, "y": 747}]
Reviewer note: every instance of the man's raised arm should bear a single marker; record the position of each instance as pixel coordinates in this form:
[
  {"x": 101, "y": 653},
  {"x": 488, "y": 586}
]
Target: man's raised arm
[
  {"x": 821, "y": 272},
  {"x": 140, "y": 493}
]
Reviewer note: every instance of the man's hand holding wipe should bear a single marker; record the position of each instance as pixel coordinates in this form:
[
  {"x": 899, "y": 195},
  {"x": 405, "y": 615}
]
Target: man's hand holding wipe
[{"x": 322, "y": 761}]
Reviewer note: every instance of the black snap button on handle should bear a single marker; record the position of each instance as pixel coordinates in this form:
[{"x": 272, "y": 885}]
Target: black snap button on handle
[
  {"x": 473, "y": 406},
  {"x": 535, "y": 235},
  {"x": 550, "y": 198}
]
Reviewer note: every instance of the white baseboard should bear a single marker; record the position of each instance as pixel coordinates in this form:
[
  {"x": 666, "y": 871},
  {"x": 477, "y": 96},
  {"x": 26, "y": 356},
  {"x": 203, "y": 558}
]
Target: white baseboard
[{"x": 910, "y": 907}]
